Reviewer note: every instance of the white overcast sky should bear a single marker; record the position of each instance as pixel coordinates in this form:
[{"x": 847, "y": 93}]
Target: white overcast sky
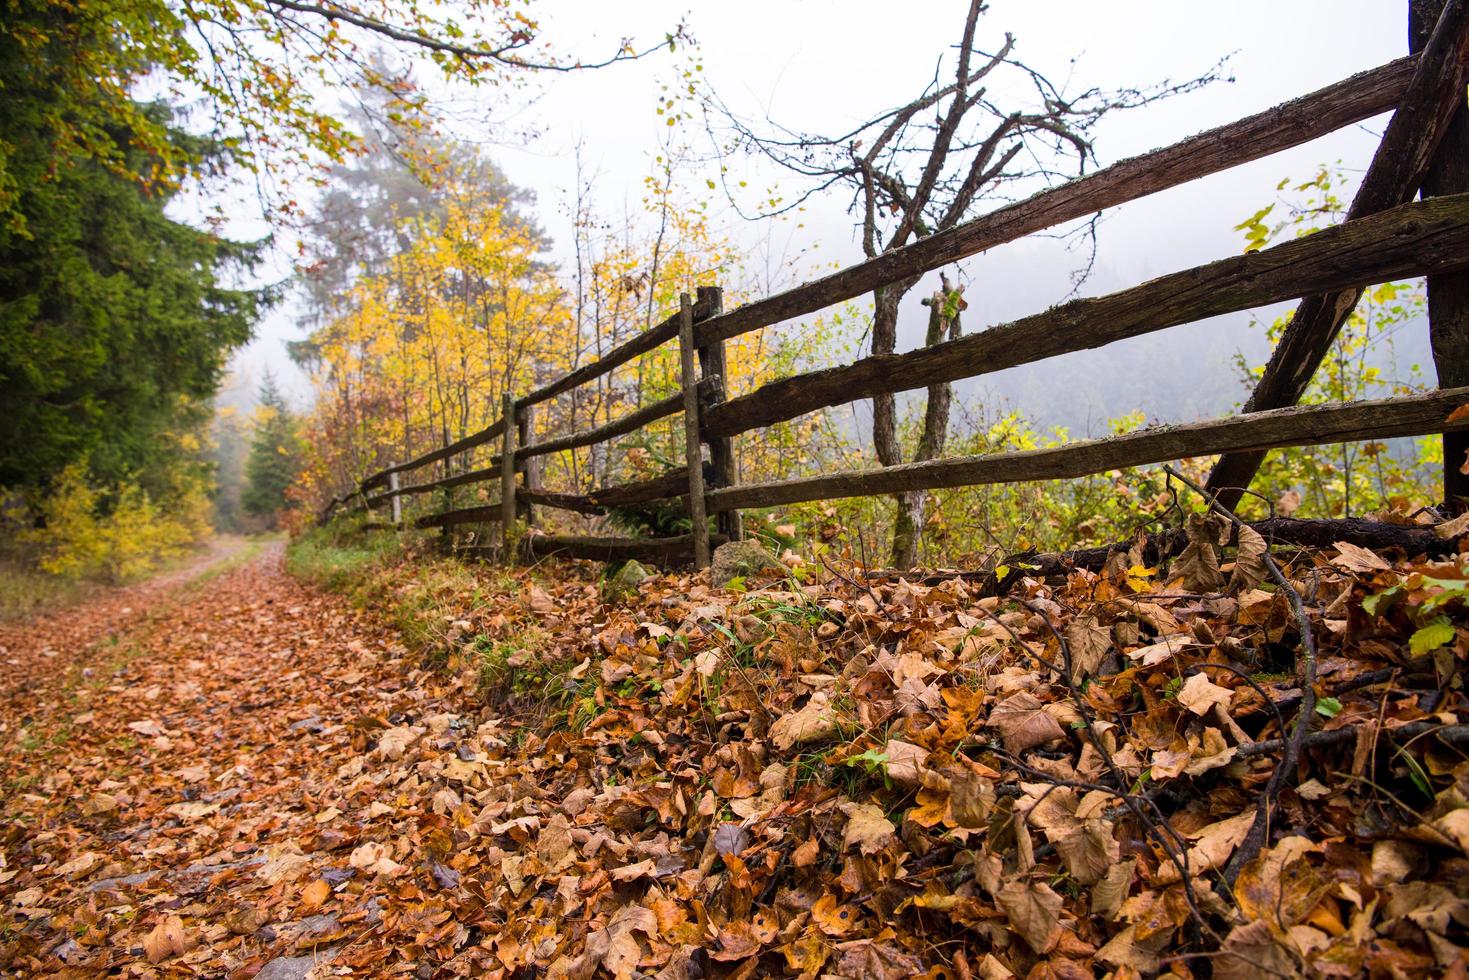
[{"x": 823, "y": 64}]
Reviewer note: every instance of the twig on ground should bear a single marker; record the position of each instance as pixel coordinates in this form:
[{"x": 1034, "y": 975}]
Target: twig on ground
[{"x": 1254, "y": 840}]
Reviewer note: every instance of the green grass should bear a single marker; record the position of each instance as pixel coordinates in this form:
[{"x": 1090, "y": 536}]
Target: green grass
[
  {"x": 25, "y": 591},
  {"x": 340, "y": 557}
]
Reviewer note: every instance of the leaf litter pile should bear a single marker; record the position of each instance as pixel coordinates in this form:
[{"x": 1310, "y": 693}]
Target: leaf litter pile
[{"x": 809, "y": 774}]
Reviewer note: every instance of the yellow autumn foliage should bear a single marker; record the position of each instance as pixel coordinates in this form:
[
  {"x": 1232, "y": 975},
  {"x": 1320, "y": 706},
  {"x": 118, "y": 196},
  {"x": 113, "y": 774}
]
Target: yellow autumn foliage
[{"x": 82, "y": 537}]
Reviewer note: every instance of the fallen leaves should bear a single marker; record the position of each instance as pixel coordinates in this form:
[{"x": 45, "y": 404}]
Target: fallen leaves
[
  {"x": 816, "y": 720},
  {"x": 1201, "y": 695},
  {"x": 166, "y": 939},
  {"x": 868, "y": 828},
  {"x": 1023, "y": 723},
  {"x": 1034, "y": 911},
  {"x": 811, "y": 776},
  {"x": 315, "y": 895},
  {"x": 374, "y": 858}
]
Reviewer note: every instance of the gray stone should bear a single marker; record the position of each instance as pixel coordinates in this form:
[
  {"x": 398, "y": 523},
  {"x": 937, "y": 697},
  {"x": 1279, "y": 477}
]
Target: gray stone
[
  {"x": 623, "y": 584},
  {"x": 295, "y": 967},
  {"x": 311, "y": 928},
  {"x": 740, "y": 559}
]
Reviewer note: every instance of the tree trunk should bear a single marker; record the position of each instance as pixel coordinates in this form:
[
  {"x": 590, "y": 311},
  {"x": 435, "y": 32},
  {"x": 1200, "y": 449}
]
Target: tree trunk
[
  {"x": 885, "y": 300},
  {"x": 943, "y": 323}
]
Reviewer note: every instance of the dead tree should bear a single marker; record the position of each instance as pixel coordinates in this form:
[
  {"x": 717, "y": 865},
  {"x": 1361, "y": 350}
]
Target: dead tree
[
  {"x": 924, "y": 166},
  {"x": 944, "y": 307}
]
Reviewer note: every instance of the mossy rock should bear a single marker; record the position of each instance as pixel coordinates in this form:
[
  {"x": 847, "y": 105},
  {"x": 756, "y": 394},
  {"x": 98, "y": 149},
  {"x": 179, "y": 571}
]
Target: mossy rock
[
  {"x": 623, "y": 583},
  {"x": 740, "y": 559}
]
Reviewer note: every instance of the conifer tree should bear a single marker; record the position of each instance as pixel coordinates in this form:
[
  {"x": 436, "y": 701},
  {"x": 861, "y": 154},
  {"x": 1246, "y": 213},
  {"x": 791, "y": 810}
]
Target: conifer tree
[{"x": 274, "y": 455}]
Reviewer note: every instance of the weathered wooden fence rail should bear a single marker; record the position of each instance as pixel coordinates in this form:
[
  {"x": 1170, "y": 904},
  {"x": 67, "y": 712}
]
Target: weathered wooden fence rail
[{"x": 1386, "y": 236}]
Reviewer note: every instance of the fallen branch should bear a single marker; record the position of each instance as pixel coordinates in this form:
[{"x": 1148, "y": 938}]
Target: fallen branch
[
  {"x": 1374, "y": 535},
  {"x": 1255, "y": 839},
  {"x": 1450, "y": 734}
]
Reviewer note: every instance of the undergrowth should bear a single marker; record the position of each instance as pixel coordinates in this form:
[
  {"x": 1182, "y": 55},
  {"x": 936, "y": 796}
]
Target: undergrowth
[
  {"x": 26, "y": 590},
  {"x": 431, "y": 600}
]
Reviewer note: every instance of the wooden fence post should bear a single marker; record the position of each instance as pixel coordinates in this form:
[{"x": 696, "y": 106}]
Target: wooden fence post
[
  {"x": 694, "y": 451},
  {"x": 397, "y": 501},
  {"x": 1397, "y": 170},
  {"x": 713, "y": 365},
  {"x": 507, "y": 475},
  {"x": 1448, "y": 293},
  {"x": 525, "y": 425}
]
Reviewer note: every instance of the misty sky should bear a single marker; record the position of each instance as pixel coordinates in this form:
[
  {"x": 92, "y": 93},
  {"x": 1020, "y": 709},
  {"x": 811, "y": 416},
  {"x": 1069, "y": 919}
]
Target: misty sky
[{"x": 822, "y": 65}]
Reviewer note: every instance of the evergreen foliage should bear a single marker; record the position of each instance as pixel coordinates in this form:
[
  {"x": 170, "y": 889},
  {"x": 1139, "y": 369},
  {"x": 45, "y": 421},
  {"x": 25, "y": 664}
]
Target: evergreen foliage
[
  {"x": 274, "y": 457},
  {"x": 114, "y": 327}
]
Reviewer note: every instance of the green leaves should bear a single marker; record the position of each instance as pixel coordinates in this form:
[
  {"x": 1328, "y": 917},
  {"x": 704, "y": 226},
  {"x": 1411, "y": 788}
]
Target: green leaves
[
  {"x": 1427, "y": 594},
  {"x": 1379, "y": 603},
  {"x": 1328, "y": 707},
  {"x": 1431, "y": 637},
  {"x": 1257, "y": 233}
]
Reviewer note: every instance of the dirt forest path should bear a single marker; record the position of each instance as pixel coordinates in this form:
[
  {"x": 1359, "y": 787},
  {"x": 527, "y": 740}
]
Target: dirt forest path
[
  {"x": 34, "y": 647},
  {"x": 174, "y": 785}
]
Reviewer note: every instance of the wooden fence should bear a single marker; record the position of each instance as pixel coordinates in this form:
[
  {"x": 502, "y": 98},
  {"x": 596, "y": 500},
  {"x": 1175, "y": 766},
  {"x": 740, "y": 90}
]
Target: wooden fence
[{"x": 1387, "y": 235}]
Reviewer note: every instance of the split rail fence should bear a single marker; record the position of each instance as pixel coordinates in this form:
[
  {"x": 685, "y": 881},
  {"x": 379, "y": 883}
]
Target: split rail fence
[{"x": 1387, "y": 235}]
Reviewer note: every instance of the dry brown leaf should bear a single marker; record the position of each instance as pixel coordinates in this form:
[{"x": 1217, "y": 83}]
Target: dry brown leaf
[
  {"x": 1088, "y": 642},
  {"x": 1393, "y": 861},
  {"x": 314, "y": 895},
  {"x": 1083, "y": 837},
  {"x": 1124, "y": 950},
  {"x": 374, "y": 858},
  {"x": 972, "y": 798},
  {"x": 1355, "y": 558},
  {"x": 1249, "y": 561},
  {"x": 1034, "y": 911},
  {"x": 831, "y": 918},
  {"x": 1251, "y": 951},
  {"x": 1163, "y": 650},
  {"x": 868, "y": 828},
  {"x": 392, "y": 743},
  {"x": 540, "y": 602},
  {"x": 621, "y": 950},
  {"x": 1109, "y": 893},
  {"x": 1454, "y": 527},
  {"x": 906, "y": 762},
  {"x": 1199, "y": 562},
  {"x": 1023, "y": 723},
  {"x": 1212, "y": 847},
  {"x": 168, "y": 938},
  {"x": 1199, "y": 694},
  {"x": 816, "y": 720},
  {"x": 81, "y": 865},
  {"x": 1455, "y": 825}
]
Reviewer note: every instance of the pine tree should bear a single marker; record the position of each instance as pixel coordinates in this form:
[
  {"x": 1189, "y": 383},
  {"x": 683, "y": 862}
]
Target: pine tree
[
  {"x": 274, "y": 455},
  {"x": 116, "y": 321}
]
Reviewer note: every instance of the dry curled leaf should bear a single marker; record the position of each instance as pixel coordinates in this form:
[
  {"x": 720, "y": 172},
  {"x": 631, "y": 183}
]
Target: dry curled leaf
[
  {"x": 1034, "y": 912},
  {"x": 1249, "y": 561}
]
